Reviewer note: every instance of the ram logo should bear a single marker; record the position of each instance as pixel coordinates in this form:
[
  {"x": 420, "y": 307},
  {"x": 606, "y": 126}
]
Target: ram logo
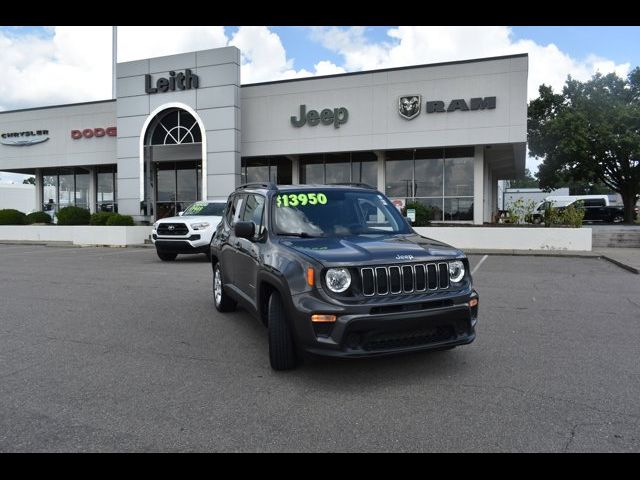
[{"x": 409, "y": 106}]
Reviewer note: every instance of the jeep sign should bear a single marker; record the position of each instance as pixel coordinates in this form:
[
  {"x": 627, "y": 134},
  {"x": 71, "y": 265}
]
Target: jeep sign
[{"x": 337, "y": 117}]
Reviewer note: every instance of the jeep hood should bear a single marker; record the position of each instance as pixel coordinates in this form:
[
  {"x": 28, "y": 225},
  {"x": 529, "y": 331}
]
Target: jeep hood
[{"x": 371, "y": 249}]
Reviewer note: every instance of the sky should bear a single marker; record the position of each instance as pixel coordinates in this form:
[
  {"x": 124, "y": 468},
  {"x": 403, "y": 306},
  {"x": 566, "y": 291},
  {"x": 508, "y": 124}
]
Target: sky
[{"x": 56, "y": 65}]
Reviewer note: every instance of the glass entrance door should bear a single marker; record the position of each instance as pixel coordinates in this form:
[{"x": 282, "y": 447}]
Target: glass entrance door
[{"x": 178, "y": 185}]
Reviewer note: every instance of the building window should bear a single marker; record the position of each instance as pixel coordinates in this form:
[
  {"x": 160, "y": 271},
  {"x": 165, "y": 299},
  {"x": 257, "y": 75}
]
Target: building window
[
  {"x": 439, "y": 178},
  {"x": 357, "y": 167},
  {"x": 266, "y": 169},
  {"x": 64, "y": 187},
  {"x": 178, "y": 185},
  {"x": 106, "y": 189},
  {"x": 174, "y": 127}
]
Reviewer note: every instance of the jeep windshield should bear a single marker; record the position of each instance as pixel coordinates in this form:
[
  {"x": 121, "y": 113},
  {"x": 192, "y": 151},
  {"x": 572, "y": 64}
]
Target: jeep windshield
[
  {"x": 204, "y": 208},
  {"x": 322, "y": 213}
]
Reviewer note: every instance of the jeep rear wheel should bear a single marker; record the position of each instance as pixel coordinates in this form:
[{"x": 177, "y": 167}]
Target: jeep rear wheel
[
  {"x": 222, "y": 301},
  {"x": 166, "y": 256},
  {"x": 282, "y": 354}
]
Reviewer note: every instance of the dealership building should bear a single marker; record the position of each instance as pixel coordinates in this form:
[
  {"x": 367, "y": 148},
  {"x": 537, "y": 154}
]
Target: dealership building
[{"x": 183, "y": 128}]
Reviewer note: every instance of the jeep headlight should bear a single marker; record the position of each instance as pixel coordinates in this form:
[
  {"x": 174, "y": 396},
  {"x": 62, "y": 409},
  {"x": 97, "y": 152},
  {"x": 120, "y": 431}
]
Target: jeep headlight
[
  {"x": 338, "y": 279},
  {"x": 456, "y": 271},
  {"x": 200, "y": 225}
]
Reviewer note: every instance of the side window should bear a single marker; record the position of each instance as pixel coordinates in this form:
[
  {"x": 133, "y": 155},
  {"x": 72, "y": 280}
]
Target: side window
[
  {"x": 228, "y": 214},
  {"x": 253, "y": 210},
  {"x": 233, "y": 212}
]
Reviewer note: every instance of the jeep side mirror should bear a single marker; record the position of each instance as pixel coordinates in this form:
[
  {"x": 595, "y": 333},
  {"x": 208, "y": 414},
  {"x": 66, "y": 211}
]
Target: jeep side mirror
[{"x": 244, "y": 230}]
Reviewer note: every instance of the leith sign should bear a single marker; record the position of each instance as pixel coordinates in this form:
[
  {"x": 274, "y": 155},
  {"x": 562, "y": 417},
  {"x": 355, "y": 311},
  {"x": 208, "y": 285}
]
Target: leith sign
[{"x": 179, "y": 81}]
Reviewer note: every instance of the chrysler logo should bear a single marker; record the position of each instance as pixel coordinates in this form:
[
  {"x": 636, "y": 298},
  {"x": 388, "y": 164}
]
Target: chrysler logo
[
  {"x": 409, "y": 106},
  {"x": 404, "y": 257},
  {"x": 22, "y": 139}
]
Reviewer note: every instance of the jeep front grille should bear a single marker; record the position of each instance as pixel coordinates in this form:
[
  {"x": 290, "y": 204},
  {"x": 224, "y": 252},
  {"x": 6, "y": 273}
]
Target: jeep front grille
[
  {"x": 172, "y": 229},
  {"x": 397, "y": 279}
]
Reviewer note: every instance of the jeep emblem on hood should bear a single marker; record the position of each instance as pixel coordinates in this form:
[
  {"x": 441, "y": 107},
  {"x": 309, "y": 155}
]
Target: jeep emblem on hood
[{"x": 404, "y": 257}]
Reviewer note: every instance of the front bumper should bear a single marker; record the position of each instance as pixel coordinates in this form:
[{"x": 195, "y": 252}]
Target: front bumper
[
  {"x": 196, "y": 241},
  {"x": 422, "y": 324}
]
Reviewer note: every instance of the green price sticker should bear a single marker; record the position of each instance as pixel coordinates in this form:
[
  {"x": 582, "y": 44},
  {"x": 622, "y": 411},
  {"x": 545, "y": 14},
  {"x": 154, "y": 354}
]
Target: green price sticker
[
  {"x": 301, "y": 199},
  {"x": 197, "y": 207}
]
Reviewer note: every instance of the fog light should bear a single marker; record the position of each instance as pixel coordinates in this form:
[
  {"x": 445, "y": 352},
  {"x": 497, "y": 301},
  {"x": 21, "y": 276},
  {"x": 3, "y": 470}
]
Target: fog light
[
  {"x": 323, "y": 318},
  {"x": 473, "y": 302}
]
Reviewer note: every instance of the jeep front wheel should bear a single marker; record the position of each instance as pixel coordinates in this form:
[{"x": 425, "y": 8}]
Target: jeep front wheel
[
  {"x": 282, "y": 353},
  {"x": 222, "y": 301}
]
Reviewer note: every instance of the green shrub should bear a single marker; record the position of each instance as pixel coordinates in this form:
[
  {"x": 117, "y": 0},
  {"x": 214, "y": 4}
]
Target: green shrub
[
  {"x": 551, "y": 215},
  {"x": 101, "y": 218},
  {"x": 73, "y": 216},
  {"x": 573, "y": 215},
  {"x": 423, "y": 214},
  {"x": 521, "y": 211},
  {"x": 39, "y": 217},
  {"x": 120, "y": 220},
  {"x": 9, "y": 216}
]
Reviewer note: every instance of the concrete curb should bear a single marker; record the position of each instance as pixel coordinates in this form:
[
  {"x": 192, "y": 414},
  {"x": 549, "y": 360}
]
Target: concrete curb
[
  {"x": 70, "y": 244},
  {"x": 622, "y": 265}
]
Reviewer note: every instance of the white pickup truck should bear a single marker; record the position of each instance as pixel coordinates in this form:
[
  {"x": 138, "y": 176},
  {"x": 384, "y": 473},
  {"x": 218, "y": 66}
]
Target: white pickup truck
[{"x": 189, "y": 232}]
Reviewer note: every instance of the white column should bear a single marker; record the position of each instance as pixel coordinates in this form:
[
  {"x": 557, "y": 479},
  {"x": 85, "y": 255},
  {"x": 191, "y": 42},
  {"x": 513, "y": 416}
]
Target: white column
[
  {"x": 381, "y": 174},
  {"x": 494, "y": 196},
  {"x": 92, "y": 189},
  {"x": 295, "y": 169},
  {"x": 488, "y": 180},
  {"x": 478, "y": 185},
  {"x": 39, "y": 185}
]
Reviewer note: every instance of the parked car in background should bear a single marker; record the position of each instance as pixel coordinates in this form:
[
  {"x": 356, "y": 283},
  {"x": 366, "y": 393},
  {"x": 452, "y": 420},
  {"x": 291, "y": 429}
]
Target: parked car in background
[
  {"x": 596, "y": 208},
  {"x": 189, "y": 232}
]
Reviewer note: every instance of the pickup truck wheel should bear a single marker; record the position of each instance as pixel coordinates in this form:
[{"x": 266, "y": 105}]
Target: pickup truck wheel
[
  {"x": 618, "y": 219},
  {"x": 282, "y": 354},
  {"x": 222, "y": 301},
  {"x": 166, "y": 256}
]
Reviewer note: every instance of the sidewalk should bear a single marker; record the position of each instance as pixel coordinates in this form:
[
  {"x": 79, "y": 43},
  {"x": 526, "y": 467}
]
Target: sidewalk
[{"x": 627, "y": 258}]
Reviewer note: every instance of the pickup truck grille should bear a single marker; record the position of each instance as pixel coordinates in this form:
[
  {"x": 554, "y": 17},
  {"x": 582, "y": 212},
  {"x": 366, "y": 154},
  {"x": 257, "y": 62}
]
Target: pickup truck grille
[
  {"x": 397, "y": 279},
  {"x": 172, "y": 229}
]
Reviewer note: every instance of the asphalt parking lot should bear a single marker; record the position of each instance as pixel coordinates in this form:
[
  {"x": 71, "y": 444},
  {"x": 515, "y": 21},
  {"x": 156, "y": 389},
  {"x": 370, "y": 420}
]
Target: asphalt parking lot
[{"x": 106, "y": 349}]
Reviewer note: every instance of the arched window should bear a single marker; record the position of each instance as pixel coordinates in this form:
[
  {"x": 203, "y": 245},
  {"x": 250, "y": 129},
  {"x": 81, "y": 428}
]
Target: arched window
[{"x": 174, "y": 127}]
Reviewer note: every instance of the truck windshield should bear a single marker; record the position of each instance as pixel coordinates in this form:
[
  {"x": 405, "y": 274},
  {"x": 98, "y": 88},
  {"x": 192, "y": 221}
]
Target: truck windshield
[
  {"x": 321, "y": 213},
  {"x": 205, "y": 208}
]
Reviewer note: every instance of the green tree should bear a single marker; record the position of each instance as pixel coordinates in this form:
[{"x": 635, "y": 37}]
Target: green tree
[
  {"x": 529, "y": 181},
  {"x": 590, "y": 132}
]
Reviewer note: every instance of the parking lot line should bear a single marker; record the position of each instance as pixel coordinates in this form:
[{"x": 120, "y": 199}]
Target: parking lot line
[{"x": 478, "y": 265}]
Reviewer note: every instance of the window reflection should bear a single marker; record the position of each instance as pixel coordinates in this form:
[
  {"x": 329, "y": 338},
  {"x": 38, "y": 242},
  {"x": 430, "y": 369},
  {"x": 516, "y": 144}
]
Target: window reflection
[{"x": 441, "y": 179}]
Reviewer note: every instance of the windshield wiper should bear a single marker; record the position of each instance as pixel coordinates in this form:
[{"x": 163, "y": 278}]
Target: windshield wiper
[{"x": 299, "y": 234}]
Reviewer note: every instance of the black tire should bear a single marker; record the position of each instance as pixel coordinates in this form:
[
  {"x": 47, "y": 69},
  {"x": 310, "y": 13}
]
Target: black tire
[
  {"x": 166, "y": 256},
  {"x": 617, "y": 219},
  {"x": 282, "y": 354},
  {"x": 224, "y": 303}
]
